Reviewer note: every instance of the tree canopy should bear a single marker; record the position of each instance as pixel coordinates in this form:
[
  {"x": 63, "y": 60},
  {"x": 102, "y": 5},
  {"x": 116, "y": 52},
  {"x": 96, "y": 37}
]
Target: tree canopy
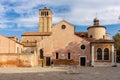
[{"x": 117, "y": 41}]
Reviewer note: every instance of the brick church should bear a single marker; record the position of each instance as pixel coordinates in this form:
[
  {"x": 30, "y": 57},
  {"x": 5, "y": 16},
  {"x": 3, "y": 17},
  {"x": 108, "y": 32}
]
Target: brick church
[{"x": 61, "y": 45}]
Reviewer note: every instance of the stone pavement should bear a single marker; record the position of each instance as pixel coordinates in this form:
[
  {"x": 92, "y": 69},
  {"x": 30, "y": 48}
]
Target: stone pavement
[{"x": 60, "y": 73}]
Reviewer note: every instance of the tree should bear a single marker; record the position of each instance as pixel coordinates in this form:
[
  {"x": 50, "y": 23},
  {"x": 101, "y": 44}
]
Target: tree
[
  {"x": 117, "y": 46},
  {"x": 117, "y": 41}
]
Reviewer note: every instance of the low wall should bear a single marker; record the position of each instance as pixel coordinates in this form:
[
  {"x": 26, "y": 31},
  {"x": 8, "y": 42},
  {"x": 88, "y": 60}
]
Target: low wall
[
  {"x": 17, "y": 60},
  {"x": 65, "y": 62},
  {"x": 100, "y": 64}
]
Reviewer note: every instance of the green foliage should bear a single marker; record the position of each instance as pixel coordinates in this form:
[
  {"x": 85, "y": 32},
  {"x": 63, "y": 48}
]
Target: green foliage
[{"x": 117, "y": 41}]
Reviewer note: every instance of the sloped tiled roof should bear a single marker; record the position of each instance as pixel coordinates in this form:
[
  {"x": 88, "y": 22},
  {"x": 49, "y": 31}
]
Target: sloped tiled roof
[
  {"x": 93, "y": 40},
  {"x": 82, "y": 34},
  {"x": 9, "y": 37},
  {"x": 37, "y": 34},
  {"x": 29, "y": 44},
  {"x": 65, "y": 22}
]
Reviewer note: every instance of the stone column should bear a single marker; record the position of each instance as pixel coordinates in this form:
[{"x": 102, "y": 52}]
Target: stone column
[
  {"x": 92, "y": 56},
  {"x": 115, "y": 57},
  {"x": 113, "y": 62}
]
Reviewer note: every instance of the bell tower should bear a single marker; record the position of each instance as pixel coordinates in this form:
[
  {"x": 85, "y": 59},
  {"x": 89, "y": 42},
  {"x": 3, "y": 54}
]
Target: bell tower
[{"x": 45, "y": 20}]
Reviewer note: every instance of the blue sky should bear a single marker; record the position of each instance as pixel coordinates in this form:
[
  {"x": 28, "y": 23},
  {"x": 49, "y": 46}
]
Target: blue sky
[{"x": 19, "y": 16}]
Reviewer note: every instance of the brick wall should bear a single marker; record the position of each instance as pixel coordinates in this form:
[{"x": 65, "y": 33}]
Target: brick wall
[{"x": 64, "y": 62}]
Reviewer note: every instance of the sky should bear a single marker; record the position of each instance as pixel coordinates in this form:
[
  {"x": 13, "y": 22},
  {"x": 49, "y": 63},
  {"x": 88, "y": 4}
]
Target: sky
[{"x": 19, "y": 16}]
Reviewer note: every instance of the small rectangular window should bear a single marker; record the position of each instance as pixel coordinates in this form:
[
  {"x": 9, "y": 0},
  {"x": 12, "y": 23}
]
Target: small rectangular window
[
  {"x": 57, "y": 55},
  {"x": 68, "y": 55}
]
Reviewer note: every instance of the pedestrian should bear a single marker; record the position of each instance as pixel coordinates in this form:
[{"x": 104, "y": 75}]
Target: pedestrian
[{"x": 52, "y": 64}]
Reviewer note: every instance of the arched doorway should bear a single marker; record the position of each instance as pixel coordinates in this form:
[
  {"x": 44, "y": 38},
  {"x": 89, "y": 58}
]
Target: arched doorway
[{"x": 46, "y": 60}]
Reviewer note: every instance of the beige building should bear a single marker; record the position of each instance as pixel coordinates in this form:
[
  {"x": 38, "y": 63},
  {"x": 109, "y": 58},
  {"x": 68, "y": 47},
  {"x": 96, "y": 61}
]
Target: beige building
[
  {"x": 10, "y": 45},
  {"x": 61, "y": 45},
  {"x": 12, "y": 53}
]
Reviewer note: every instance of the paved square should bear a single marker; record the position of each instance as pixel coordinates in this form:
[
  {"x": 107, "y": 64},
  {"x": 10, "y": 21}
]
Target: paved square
[{"x": 60, "y": 73}]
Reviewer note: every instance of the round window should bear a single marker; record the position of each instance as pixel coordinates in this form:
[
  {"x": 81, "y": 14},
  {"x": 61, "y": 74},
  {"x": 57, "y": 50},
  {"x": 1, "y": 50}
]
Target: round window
[
  {"x": 82, "y": 47},
  {"x": 63, "y": 26}
]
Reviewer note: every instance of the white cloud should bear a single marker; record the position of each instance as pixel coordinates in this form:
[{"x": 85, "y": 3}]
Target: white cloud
[
  {"x": 84, "y": 11},
  {"x": 2, "y": 26},
  {"x": 1, "y": 8},
  {"x": 81, "y": 12},
  {"x": 30, "y": 22}
]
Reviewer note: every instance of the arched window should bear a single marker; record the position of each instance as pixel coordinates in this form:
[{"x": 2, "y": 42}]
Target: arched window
[
  {"x": 47, "y": 13},
  {"x": 90, "y": 36},
  {"x": 41, "y": 54},
  {"x": 42, "y": 13},
  {"x": 106, "y": 54},
  {"x": 99, "y": 54}
]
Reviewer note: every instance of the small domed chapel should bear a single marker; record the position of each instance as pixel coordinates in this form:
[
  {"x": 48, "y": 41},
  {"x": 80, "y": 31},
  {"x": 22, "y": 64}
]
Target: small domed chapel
[{"x": 59, "y": 44}]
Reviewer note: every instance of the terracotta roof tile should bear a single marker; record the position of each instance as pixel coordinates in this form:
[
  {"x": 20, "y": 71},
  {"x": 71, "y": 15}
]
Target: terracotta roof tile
[
  {"x": 93, "y": 40},
  {"x": 37, "y": 34},
  {"x": 82, "y": 34},
  {"x": 29, "y": 44}
]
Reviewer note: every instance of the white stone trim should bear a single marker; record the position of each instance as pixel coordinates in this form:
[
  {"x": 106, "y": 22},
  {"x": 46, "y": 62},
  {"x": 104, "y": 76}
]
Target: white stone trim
[
  {"x": 113, "y": 62},
  {"x": 92, "y": 56},
  {"x": 85, "y": 60}
]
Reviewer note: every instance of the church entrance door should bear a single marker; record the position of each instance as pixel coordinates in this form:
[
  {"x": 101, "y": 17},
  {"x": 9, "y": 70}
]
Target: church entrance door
[
  {"x": 82, "y": 61},
  {"x": 48, "y": 61}
]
